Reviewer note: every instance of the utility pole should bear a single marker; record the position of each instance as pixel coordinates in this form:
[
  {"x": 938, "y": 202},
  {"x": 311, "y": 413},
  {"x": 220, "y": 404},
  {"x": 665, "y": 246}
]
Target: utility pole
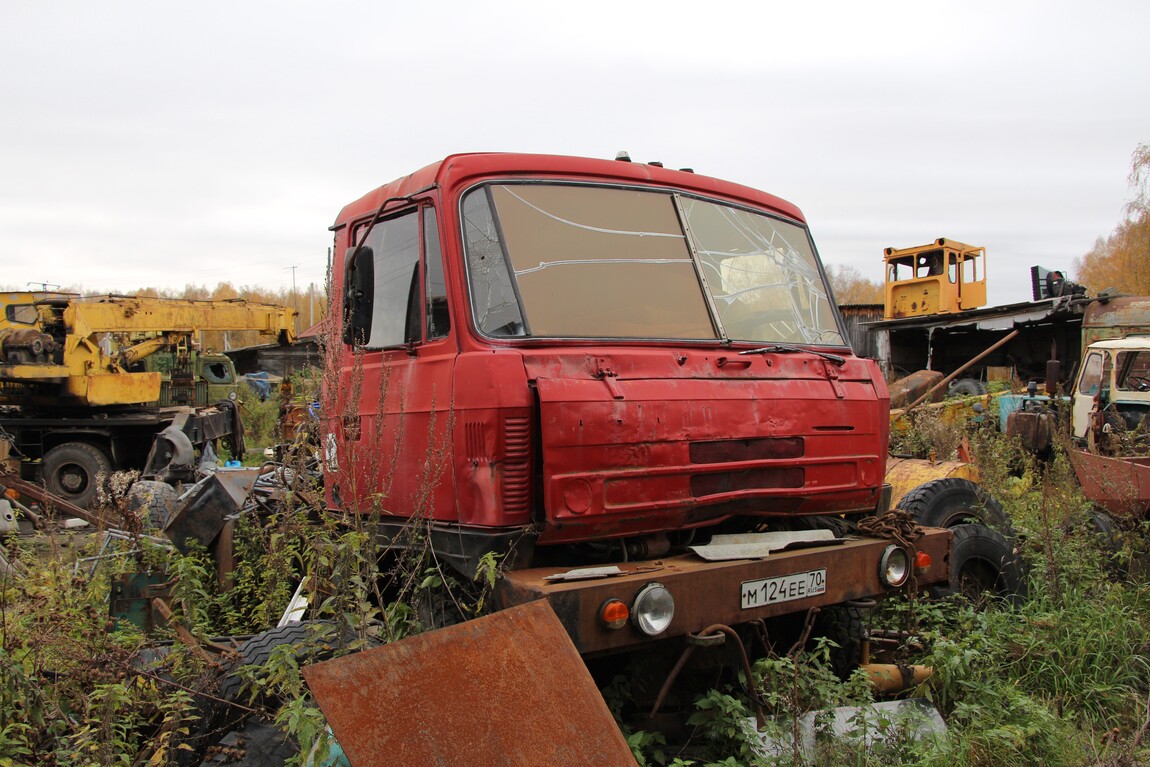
[{"x": 294, "y": 303}]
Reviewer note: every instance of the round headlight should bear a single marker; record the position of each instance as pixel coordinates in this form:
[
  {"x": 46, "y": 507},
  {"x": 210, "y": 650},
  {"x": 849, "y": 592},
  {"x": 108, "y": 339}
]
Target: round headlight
[
  {"x": 894, "y": 567},
  {"x": 653, "y": 609}
]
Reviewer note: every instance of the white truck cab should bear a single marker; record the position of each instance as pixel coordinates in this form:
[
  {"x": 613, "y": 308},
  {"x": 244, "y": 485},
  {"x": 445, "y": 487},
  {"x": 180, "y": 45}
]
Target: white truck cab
[{"x": 1114, "y": 383}]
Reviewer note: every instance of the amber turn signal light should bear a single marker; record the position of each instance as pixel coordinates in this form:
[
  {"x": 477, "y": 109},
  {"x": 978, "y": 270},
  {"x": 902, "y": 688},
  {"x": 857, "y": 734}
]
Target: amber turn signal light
[{"x": 614, "y": 614}]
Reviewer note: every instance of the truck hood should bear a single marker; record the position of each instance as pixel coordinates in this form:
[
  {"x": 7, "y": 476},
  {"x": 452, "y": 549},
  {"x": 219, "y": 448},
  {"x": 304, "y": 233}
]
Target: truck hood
[{"x": 658, "y": 440}]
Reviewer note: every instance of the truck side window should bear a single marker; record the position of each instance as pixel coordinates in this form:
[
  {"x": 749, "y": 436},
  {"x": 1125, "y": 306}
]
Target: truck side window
[
  {"x": 1134, "y": 370},
  {"x": 1091, "y": 380},
  {"x": 24, "y": 314},
  {"x": 438, "y": 319},
  {"x": 970, "y": 269},
  {"x": 218, "y": 373},
  {"x": 929, "y": 264},
  {"x": 394, "y": 244}
]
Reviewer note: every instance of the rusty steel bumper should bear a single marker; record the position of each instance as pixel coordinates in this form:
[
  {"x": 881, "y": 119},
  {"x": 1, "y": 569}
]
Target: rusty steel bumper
[{"x": 707, "y": 593}]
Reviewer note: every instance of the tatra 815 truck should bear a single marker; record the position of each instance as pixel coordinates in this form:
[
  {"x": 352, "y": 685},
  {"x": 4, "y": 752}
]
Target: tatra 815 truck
[{"x": 629, "y": 382}]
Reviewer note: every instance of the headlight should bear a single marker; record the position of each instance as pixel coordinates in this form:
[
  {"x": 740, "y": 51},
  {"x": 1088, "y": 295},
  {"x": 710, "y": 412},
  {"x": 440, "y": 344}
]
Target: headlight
[
  {"x": 894, "y": 567},
  {"x": 653, "y": 609}
]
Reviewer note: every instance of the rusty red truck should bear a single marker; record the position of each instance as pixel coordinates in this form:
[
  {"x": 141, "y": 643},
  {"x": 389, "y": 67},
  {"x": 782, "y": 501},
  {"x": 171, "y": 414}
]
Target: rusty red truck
[{"x": 629, "y": 382}]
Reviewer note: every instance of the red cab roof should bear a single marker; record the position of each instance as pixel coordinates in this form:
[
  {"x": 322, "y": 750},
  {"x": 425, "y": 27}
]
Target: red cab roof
[{"x": 459, "y": 169}]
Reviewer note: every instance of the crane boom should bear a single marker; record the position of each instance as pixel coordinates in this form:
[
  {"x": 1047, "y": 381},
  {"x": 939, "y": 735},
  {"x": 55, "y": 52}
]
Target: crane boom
[{"x": 81, "y": 349}]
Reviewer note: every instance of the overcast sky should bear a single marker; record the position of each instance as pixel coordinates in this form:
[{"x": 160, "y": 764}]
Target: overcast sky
[{"x": 160, "y": 144}]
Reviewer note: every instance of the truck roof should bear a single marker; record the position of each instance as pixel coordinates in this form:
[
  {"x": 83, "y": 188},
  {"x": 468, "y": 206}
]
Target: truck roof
[
  {"x": 458, "y": 168},
  {"x": 1119, "y": 344}
]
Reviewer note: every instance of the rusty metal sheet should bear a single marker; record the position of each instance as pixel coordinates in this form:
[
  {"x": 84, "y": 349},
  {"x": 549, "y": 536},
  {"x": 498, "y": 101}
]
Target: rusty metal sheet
[
  {"x": 755, "y": 545},
  {"x": 1119, "y": 485},
  {"x": 710, "y": 592},
  {"x": 504, "y": 690},
  {"x": 202, "y": 514}
]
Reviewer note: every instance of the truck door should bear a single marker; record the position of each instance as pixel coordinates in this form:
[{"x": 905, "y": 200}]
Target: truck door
[
  {"x": 1086, "y": 393},
  {"x": 395, "y": 377}
]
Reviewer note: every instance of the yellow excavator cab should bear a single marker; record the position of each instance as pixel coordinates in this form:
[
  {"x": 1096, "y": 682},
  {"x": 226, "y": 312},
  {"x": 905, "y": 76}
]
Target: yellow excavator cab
[{"x": 941, "y": 277}]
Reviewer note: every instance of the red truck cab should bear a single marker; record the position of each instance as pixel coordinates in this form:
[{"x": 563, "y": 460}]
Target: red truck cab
[{"x": 581, "y": 361}]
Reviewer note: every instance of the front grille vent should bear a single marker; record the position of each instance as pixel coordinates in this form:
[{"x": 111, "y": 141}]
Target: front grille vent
[
  {"x": 703, "y": 485},
  {"x": 735, "y": 450}
]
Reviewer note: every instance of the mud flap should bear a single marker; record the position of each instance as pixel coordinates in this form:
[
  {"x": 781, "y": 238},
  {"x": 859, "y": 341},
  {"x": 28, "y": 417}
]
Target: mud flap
[{"x": 507, "y": 689}]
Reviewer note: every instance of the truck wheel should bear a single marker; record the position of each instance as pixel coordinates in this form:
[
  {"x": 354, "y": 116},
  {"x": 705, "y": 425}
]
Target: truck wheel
[
  {"x": 982, "y": 560},
  {"x": 844, "y": 626},
  {"x": 966, "y": 387},
  {"x": 70, "y": 471},
  {"x": 954, "y": 501}
]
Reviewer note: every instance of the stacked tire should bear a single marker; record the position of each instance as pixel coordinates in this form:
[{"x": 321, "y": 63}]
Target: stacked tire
[{"x": 983, "y": 557}]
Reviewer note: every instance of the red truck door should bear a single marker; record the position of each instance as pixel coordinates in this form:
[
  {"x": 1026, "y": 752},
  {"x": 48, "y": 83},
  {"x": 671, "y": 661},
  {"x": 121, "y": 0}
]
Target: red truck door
[{"x": 393, "y": 398}]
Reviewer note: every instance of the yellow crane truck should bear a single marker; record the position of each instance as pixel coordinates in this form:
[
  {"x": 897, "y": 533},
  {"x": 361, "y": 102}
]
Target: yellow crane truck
[{"x": 81, "y": 395}]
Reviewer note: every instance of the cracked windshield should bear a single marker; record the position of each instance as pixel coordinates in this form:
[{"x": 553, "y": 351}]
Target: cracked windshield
[{"x": 568, "y": 261}]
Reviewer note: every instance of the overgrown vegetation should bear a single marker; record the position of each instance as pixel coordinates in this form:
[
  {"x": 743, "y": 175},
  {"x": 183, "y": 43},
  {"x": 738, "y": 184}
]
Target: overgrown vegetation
[{"x": 1060, "y": 679}]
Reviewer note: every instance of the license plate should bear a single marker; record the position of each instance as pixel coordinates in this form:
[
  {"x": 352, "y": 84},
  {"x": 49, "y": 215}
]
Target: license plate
[{"x": 784, "y": 588}]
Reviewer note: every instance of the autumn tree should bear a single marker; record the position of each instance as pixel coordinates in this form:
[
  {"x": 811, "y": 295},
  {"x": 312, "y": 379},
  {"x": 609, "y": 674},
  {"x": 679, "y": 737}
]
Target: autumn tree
[
  {"x": 850, "y": 287},
  {"x": 1122, "y": 260}
]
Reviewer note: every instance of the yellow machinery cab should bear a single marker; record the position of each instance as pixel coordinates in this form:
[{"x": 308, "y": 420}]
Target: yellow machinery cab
[{"x": 938, "y": 278}]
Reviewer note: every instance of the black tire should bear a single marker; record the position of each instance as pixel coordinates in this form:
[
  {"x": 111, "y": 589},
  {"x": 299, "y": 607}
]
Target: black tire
[
  {"x": 966, "y": 387},
  {"x": 437, "y": 609},
  {"x": 1108, "y": 535},
  {"x": 1102, "y": 524},
  {"x": 261, "y": 744},
  {"x": 952, "y": 501},
  {"x": 984, "y": 561},
  {"x": 844, "y": 626},
  {"x": 313, "y": 641},
  {"x": 153, "y": 501},
  {"x": 71, "y": 471}
]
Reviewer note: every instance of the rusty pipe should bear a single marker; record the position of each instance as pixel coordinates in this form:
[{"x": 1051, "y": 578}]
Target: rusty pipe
[{"x": 712, "y": 632}]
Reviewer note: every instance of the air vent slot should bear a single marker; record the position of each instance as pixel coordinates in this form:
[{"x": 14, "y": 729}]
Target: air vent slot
[
  {"x": 735, "y": 450},
  {"x": 517, "y": 465},
  {"x": 753, "y": 479},
  {"x": 475, "y": 440}
]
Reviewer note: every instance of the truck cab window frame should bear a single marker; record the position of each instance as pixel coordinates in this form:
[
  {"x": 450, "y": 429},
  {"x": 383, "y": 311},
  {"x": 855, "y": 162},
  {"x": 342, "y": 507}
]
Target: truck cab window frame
[{"x": 399, "y": 296}]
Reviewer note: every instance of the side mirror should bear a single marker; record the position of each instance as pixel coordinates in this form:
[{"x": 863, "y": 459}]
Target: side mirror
[{"x": 358, "y": 294}]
